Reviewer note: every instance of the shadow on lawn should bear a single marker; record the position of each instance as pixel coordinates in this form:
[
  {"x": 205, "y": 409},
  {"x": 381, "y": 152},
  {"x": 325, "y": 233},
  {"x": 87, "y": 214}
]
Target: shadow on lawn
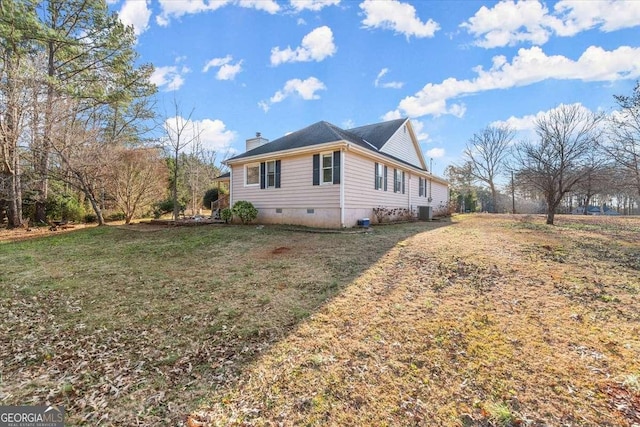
[{"x": 131, "y": 328}]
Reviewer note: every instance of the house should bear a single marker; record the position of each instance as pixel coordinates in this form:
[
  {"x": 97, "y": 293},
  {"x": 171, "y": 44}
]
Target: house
[
  {"x": 595, "y": 210},
  {"x": 324, "y": 176}
]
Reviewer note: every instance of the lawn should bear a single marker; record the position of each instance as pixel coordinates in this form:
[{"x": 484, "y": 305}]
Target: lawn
[
  {"x": 484, "y": 320},
  {"x": 140, "y": 325}
]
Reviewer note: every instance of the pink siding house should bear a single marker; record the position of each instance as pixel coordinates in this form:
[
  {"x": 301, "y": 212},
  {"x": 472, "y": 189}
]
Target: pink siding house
[{"x": 324, "y": 176}]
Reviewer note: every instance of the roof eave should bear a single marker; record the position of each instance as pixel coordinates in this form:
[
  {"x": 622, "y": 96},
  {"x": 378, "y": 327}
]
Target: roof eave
[{"x": 290, "y": 152}]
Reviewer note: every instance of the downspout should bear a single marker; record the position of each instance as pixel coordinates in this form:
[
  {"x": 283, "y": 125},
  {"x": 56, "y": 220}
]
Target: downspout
[
  {"x": 410, "y": 206},
  {"x": 342, "y": 168},
  {"x": 231, "y": 186}
]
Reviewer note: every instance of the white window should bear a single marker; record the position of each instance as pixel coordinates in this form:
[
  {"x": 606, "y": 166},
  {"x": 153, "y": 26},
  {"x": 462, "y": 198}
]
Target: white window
[
  {"x": 271, "y": 174},
  {"x": 379, "y": 176},
  {"x": 397, "y": 181},
  {"x": 252, "y": 174},
  {"x": 327, "y": 168}
]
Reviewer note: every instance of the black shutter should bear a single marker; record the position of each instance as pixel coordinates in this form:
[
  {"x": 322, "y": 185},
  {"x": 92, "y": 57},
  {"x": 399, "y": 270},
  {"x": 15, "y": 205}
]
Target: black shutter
[
  {"x": 277, "y": 173},
  {"x": 395, "y": 180},
  {"x": 316, "y": 169},
  {"x": 385, "y": 178},
  {"x": 263, "y": 175},
  {"x": 375, "y": 183},
  {"x": 336, "y": 167},
  {"x": 402, "y": 182}
]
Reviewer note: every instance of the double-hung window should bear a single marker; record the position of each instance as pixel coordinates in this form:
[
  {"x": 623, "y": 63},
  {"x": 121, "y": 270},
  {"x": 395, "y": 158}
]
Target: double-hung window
[
  {"x": 252, "y": 174},
  {"x": 271, "y": 174},
  {"x": 380, "y": 175},
  {"x": 327, "y": 168}
]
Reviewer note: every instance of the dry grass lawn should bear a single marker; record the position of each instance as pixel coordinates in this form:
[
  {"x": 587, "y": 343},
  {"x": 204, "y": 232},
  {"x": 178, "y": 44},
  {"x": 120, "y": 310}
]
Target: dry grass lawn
[
  {"x": 494, "y": 321},
  {"x": 481, "y": 321}
]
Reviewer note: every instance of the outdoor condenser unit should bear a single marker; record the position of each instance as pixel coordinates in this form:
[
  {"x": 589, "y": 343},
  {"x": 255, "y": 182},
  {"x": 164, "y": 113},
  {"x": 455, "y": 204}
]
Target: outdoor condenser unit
[{"x": 425, "y": 213}]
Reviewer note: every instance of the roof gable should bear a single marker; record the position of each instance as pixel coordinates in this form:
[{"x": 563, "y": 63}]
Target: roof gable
[{"x": 378, "y": 134}]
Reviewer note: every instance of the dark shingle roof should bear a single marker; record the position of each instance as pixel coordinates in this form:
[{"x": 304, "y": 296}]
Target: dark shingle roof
[
  {"x": 378, "y": 134},
  {"x": 371, "y": 137}
]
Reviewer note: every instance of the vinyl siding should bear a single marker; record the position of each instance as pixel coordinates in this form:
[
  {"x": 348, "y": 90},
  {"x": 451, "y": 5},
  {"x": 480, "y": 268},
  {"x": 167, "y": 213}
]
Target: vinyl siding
[
  {"x": 360, "y": 189},
  {"x": 401, "y": 146},
  {"x": 440, "y": 196},
  {"x": 296, "y": 189}
]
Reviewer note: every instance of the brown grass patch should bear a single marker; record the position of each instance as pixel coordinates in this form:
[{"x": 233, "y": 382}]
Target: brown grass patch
[{"x": 492, "y": 321}]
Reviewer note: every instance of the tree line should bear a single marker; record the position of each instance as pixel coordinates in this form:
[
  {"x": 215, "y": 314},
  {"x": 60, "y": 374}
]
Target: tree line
[
  {"x": 576, "y": 157},
  {"x": 76, "y": 117}
]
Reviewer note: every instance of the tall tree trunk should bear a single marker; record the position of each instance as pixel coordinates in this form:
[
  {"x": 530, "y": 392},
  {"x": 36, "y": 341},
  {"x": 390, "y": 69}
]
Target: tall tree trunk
[
  {"x": 494, "y": 198},
  {"x": 176, "y": 210},
  {"x": 552, "y": 205},
  {"x": 42, "y": 165}
]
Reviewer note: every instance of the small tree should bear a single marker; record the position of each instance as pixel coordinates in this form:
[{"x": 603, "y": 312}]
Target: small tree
[
  {"x": 556, "y": 163},
  {"x": 245, "y": 211},
  {"x": 137, "y": 180},
  {"x": 486, "y": 152}
]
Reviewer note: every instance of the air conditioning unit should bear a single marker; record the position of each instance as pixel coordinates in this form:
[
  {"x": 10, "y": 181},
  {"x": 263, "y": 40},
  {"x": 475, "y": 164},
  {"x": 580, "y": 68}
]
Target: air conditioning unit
[{"x": 425, "y": 213}]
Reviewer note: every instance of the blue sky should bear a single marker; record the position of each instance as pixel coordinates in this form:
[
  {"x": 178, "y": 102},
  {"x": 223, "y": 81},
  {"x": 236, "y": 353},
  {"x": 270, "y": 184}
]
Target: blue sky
[{"x": 453, "y": 67}]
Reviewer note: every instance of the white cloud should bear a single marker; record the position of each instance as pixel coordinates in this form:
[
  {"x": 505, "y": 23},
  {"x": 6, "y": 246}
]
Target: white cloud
[
  {"x": 229, "y": 71},
  {"x": 226, "y": 70},
  {"x": 269, "y": 6},
  {"x": 315, "y": 46},
  {"x": 418, "y": 129},
  {"x": 314, "y": 5},
  {"x": 396, "y": 16},
  {"x": 509, "y": 23},
  {"x": 435, "y": 153},
  {"x": 348, "y": 124},
  {"x": 305, "y": 89},
  {"x": 527, "y": 124},
  {"x": 170, "y": 77},
  {"x": 217, "y": 62},
  {"x": 609, "y": 15},
  {"x": 136, "y": 13},
  {"x": 388, "y": 85},
  {"x": 527, "y": 67},
  {"x": 213, "y": 134},
  {"x": 176, "y": 9}
]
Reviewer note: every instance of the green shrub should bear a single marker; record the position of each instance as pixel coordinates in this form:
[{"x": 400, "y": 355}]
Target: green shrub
[
  {"x": 166, "y": 206},
  {"x": 65, "y": 207},
  {"x": 226, "y": 214},
  {"x": 90, "y": 218},
  {"x": 115, "y": 216},
  {"x": 245, "y": 211}
]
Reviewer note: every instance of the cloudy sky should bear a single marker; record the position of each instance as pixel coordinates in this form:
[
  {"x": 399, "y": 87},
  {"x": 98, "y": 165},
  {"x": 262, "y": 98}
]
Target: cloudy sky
[{"x": 453, "y": 67}]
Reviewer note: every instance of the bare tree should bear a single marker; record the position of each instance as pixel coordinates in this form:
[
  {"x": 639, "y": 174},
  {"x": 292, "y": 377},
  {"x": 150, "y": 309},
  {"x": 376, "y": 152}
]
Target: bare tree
[
  {"x": 557, "y": 162},
  {"x": 595, "y": 179},
  {"x": 179, "y": 134},
  {"x": 486, "y": 152},
  {"x": 624, "y": 131},
  {"x": 138, "y": 180}
]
